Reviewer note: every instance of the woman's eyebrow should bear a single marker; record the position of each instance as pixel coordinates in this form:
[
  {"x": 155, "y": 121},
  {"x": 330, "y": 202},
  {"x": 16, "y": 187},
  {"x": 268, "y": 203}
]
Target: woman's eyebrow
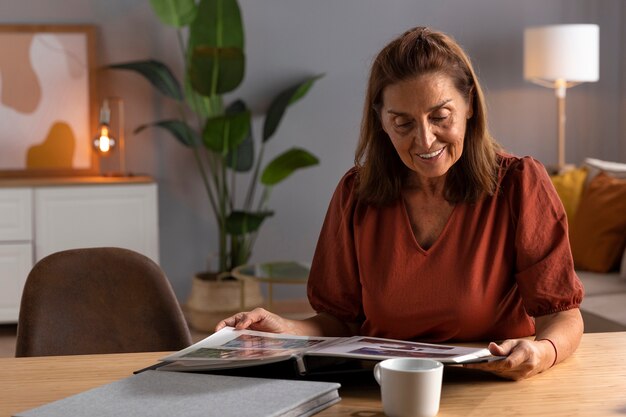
[
  {"x": 397, "y": 113},
  {"x": 433, "y": 108},
  {"x": 440, "y": 105}
]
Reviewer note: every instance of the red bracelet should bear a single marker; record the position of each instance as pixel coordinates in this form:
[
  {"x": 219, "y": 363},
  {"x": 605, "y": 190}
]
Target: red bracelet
[{"x": 556, "y": 352}]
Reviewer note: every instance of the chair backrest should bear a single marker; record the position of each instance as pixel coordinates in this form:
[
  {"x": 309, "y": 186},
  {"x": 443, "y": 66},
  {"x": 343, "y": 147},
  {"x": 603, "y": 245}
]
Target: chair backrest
[{"x": 98, "y": 300}]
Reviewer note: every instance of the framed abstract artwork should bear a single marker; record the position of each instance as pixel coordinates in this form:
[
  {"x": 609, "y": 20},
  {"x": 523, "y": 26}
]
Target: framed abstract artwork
[{"x": 46, "y": 100}]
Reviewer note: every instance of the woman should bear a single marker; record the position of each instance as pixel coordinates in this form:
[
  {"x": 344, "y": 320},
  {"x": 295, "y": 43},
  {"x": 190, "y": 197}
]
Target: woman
[{"x": 436, "y": 234}]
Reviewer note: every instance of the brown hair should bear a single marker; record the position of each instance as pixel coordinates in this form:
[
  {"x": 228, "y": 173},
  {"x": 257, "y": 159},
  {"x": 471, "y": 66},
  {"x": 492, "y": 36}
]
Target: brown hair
[{"x": 381, "y": 172}]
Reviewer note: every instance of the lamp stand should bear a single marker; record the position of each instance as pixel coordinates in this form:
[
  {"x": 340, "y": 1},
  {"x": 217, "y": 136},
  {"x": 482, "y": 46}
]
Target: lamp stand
[{"x": 560, "y": 89}]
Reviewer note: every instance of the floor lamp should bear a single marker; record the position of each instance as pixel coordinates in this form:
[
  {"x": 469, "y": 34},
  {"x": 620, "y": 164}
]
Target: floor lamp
[{"x": 560, "y": 57}]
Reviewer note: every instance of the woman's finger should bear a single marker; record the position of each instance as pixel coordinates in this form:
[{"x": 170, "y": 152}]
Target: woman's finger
[{"x": 231, "y": 321}]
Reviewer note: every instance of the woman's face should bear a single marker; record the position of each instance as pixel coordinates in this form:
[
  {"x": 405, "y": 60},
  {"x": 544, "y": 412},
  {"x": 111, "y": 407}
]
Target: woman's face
[{"x": 425, "y": 118}]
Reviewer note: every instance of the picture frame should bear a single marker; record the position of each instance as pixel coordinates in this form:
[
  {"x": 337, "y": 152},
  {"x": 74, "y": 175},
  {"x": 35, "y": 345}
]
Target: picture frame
[{"x": 48, "y": 109}]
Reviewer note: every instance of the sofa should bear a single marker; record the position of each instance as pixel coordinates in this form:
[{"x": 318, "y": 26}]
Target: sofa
[
  {"x": 594, "y": 197},
  {"x": 604, "y": 305}
]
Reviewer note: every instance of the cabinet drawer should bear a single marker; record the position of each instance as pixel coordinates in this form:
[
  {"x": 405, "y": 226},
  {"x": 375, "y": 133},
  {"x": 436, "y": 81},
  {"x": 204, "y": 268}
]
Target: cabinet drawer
[
  {"x": 16, "y": 261},
  {"x": 15, "y": 214}
]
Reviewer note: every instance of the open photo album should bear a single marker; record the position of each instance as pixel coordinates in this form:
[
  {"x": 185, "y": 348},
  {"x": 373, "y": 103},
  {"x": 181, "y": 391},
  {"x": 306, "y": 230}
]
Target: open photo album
[{"x": 230, "y": 348}]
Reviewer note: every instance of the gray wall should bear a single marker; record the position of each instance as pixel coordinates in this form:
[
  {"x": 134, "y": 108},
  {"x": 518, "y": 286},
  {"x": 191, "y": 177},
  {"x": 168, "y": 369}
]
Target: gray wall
[{"x": 290, "y": 39}]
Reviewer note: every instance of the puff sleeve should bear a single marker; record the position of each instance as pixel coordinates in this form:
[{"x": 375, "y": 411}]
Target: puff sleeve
[
  {"x": 544, "y": 268},
  {"x": 334, "y": 286}
]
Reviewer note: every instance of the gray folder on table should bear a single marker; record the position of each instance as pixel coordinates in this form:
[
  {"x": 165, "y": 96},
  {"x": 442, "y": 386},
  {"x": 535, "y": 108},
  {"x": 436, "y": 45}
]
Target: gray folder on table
[{"x": 154, "y": 393}]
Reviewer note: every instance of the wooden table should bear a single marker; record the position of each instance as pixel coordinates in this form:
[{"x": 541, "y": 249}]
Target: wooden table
[{"x": 590, "y": 383}]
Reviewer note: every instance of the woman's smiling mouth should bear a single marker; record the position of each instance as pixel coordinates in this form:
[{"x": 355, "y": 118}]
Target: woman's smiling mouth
[{"x": 431, "y": 154}]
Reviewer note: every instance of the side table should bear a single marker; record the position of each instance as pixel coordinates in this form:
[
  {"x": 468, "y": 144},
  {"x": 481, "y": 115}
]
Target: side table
[{"x": 271, "y": 273}]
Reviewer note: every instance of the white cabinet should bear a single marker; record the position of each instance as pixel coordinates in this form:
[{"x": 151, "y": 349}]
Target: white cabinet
[
  {"x": 16, "y": 260},
  {"x": 87, "y": 216},
  {"x": 16, "y": 251},
  {"x": 39, "y": 219}
]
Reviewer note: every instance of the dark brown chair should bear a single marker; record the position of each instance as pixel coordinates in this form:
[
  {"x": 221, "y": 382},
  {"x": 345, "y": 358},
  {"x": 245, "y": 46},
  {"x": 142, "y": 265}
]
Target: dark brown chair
[{"x": 98, "y": 300}]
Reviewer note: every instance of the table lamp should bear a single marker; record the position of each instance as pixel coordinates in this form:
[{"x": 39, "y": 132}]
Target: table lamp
[
  {"x": 560, "y": 57},
  {"x": 104, "y": 142}
]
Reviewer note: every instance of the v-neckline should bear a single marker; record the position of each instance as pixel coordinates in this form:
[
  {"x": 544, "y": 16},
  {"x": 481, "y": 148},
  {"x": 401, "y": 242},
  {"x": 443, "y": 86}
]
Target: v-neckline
[{"x": 408, "y": 225}]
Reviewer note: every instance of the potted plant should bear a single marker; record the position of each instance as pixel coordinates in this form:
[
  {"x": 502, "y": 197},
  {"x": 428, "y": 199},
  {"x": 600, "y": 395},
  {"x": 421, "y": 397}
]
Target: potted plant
[{"x": 219, "y": 135}]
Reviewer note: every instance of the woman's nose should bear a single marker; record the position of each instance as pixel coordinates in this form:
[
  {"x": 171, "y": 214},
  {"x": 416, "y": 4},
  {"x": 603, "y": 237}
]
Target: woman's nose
[{"x": 424, "y": 137}]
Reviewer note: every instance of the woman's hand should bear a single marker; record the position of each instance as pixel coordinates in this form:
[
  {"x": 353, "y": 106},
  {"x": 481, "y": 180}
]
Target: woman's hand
[
  {"x": 257, "y": 319},
  {"x": 321, "y": 324},
  {"x": 524, "y": 358},
  {"x": 559, "y": 331}
]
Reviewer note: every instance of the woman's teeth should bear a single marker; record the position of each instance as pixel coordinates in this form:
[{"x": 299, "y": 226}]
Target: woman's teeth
[{"x": 432, "y": 154}]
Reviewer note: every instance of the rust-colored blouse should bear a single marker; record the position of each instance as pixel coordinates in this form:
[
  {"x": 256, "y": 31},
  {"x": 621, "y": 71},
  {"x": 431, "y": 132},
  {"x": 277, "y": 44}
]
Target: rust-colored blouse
[{"x": 498, "y": 263}]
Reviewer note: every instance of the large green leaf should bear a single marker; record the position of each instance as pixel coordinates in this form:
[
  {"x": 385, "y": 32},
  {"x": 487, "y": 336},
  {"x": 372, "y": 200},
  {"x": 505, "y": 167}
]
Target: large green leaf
[
  {"x": 281, "y": 102},
  {"x": 242, "y": 222},
  {"x": 285, "y": 164},
  {"x": 179, "y": 129},
  {"x": 216, "y": 70},
  {"x": 177, "y": 13},
  {"x": 236, "y": 106},
  {"x": 218, "y": 23},
  {"x": 224, "y": 133},
  {"x": 157, "y": 73},
  {"x": 200, "y": 104},
  {"x": 241, "y": 159}
]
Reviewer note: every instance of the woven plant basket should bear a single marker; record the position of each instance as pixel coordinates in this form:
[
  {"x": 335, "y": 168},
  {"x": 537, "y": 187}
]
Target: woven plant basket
[{"x": 214, "y": 297}]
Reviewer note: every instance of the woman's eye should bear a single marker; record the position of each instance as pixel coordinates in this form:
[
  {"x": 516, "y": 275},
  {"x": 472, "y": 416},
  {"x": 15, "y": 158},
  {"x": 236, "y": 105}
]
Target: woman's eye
[
  {"x": 439, "y": 117},
  {"x": 402, "y": 125}
]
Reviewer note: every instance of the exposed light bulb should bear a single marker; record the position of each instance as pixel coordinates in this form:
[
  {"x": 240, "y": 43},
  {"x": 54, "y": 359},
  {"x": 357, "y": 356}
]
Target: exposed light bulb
[
  {"x": 103, "y": 141},
  {"x": 106, "y": 145}
]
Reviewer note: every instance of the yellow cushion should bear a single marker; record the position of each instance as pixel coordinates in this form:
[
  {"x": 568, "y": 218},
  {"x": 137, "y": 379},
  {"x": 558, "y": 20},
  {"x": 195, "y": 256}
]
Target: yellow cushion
[
  {"x": 598, "y": 232},
  {"x": 569, "y": 185}
]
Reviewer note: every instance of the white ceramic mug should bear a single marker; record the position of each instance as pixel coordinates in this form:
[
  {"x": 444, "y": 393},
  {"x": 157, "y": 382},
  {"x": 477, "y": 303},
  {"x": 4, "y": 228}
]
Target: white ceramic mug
[{"x": 410, "y": 387}]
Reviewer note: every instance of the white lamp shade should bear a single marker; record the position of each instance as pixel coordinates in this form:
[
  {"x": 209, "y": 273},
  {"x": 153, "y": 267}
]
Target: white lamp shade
[{"x": 562, "y": 52}]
